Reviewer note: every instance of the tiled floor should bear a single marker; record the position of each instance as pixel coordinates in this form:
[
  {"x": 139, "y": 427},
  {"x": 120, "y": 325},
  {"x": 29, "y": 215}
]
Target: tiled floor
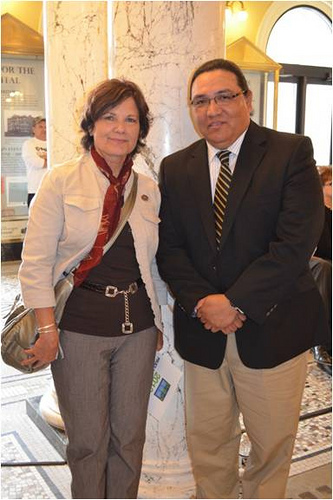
[{"x": 46, "y": 476}]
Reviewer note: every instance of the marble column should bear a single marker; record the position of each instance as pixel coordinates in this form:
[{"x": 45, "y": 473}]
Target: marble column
[
  {"x": 75, "y": 35},
  {"x": 157, "y": 45}
]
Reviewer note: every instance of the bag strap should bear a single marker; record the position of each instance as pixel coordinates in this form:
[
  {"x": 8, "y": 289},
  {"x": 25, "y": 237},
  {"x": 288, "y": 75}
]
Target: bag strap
[{"x": 124, "y": 214}]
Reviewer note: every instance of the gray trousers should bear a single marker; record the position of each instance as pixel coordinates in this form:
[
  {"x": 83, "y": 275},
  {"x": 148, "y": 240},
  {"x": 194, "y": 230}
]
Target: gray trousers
[{"x": 103, "y": 386}]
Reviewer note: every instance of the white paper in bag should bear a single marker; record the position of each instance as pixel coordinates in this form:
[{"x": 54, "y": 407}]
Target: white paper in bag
[{"x": 165, "y": 379}]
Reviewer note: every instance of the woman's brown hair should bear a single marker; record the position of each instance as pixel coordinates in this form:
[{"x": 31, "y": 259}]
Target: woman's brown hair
[{"x": 325, "y": 174}]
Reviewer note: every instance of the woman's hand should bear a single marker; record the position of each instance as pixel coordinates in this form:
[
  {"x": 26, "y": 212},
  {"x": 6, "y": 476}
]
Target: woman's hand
[
  {"x": 159, "y": 340},
  {"x": 44, "y": 351},
  {"x": 46, "y": 347}
]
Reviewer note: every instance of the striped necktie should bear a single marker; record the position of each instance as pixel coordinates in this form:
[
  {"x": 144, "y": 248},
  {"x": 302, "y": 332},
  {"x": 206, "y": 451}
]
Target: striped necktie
[{"x": 221, "y": 192}]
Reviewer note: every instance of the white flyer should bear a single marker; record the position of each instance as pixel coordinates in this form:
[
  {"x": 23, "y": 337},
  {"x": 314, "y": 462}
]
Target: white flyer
[{"x": 165, "y": 380}]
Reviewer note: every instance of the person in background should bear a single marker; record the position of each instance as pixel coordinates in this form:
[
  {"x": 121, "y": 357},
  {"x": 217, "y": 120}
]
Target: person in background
[
  {"x": 321, "y": 267},
  {"x": 34, "y": 154},
  {"x": 324, "y": 247},
  {"x": 111, "y": 325},
  {"x": 241, "y": 215}
]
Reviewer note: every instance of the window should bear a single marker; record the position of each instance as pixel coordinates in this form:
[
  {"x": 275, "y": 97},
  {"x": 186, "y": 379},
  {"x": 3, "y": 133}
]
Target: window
[
  {"x": 301, "y": 41},
  {"x": 301, "y": 36}
]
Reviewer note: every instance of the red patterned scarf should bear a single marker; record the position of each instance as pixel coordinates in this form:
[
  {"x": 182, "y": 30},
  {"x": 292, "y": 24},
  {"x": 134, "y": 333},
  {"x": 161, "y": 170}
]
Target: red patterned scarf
[{"x": 110, "y": 216}]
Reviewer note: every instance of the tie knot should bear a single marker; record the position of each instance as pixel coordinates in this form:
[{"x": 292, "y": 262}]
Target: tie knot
[{"x": 223, "y": 156}]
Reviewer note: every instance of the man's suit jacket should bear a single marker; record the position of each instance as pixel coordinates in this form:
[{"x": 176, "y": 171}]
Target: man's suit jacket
[{"x": 269, "y": 232}]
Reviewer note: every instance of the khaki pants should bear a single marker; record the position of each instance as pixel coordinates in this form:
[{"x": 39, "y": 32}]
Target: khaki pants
[
  {"x": 103, "y": 386},
  {"x": 269, "y": 400}
]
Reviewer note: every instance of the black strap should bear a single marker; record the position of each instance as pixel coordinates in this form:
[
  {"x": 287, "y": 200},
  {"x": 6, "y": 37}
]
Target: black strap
[{"x": 97, "y": 287}]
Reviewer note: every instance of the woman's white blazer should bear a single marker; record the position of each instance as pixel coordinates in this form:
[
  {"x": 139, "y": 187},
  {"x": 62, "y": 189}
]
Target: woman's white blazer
[{"x": 63, "y": 224}]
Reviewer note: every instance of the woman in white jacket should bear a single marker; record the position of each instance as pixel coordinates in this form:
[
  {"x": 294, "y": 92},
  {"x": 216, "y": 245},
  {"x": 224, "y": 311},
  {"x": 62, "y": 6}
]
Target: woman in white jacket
[{"x": 111, "y": 322}]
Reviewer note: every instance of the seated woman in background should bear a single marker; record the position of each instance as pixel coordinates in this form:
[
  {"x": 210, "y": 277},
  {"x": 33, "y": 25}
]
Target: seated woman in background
[
  {"x": 321, "y": 267},
  {"x": 111, "y": 323}
]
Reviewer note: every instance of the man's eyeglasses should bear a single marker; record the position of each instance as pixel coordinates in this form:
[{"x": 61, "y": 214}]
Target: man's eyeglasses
[{"x": 222, "y": 98}]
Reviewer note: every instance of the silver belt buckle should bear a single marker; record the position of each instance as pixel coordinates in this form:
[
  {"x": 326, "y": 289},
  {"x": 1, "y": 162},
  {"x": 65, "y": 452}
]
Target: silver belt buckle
[
  {"x": 111, "y": 291},
  {"x": 127, "y": 327},
  {"x": 133, "y": 287}
]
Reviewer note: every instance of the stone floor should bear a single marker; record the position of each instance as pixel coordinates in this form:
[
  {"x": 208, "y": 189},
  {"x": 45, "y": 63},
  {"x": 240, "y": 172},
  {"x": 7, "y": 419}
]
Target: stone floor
[{"x": 33, "y": 468}]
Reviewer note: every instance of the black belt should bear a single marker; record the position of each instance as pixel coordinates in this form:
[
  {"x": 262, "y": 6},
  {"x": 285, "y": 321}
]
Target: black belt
[{"x": 111, "y": 290}]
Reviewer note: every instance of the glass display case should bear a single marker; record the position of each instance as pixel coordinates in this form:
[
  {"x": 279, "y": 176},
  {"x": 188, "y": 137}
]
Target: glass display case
[{"x": 257, "y": 67}]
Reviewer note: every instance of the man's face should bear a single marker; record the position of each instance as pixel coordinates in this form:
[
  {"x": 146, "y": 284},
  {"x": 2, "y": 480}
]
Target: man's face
[
  {"x": 220, "y": 124},
  {"x": 39, "y": 130}
]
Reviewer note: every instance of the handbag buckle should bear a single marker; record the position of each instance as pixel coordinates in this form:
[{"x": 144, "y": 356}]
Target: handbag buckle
[{"x": 111, "y": 291}]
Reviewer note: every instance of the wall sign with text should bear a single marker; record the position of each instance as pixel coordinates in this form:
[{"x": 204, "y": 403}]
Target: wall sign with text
[{"x": 22, "y": 99}]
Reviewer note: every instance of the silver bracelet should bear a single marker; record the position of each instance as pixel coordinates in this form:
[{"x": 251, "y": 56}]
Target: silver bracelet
[
  {"x": 48, "y": 332},
  {"x": 46, "y": 326},
  {"x": 47, "y": 329}
]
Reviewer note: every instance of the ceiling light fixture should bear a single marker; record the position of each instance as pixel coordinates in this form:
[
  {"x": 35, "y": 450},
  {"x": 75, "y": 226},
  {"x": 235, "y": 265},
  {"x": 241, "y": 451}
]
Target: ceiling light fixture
[{"x": 236, "y": 10}]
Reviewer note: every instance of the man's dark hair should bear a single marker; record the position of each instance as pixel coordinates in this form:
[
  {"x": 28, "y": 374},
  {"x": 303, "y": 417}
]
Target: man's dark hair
[
  {"x": 223, "y": 64},
  {"x": 109, "y": 94}
]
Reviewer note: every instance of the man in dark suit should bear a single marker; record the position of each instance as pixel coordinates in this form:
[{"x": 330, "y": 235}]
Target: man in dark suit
[{"x": 246, "y": 306}]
